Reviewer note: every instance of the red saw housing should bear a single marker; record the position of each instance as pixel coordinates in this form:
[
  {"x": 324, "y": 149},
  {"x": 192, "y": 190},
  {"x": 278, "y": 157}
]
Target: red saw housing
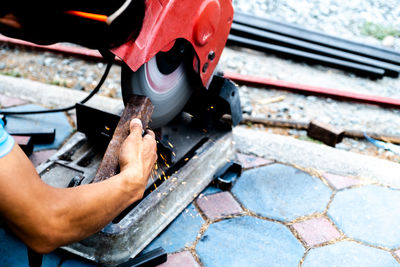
[{"x": 205, "y": 24}]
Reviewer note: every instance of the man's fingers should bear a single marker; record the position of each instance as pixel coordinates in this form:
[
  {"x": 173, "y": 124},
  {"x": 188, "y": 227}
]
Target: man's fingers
[
  {"x": 136, "y": 127},
  {"x": 150, "y": 133}
]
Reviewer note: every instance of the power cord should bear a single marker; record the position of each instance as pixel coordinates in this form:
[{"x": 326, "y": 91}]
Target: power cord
[{"x": 94, "y": 91}]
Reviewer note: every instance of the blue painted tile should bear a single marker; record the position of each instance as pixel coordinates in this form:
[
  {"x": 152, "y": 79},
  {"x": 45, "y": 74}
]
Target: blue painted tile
[
  {"x": 58, "y": 121},
  {"x": 369, "y": 214},
  {"x": 14, "y": 253},
  {"x": 180, "y": 233},
  {"x": 211, "y": 189},
  {"x": 281, "y": 192},
  {"x": 77, "y": 263},
  {"x": 248, "y": 241},
  {"x": 52, "y": 260},
  {"x": 348, "y": 254}
]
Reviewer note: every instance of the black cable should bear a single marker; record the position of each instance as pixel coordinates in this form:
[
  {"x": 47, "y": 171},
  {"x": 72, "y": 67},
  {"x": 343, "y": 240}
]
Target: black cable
[{"x": 94, "y": 91}]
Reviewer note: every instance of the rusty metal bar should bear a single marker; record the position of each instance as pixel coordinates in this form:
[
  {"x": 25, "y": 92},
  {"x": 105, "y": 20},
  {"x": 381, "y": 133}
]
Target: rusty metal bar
[
  {"x": 137, "y": 107},
  {"x": 324, "y": 132},
  {"x": 300, "y": 125}
]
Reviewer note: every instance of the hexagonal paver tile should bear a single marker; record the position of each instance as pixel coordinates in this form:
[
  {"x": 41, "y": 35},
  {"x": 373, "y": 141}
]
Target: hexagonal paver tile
[
  {"x": 248, "y": 241},
  {"x": 339, "y": 182},
  {"x": 369, "y": 214},
  {"x": 39, "y": 157},
  {"x": 78, "y": 263},
  {"x": 348, "y": 254},
  {"x": 183, "y": 258},
  {"x": 218, "y": 205},
  {"x": 397, "y": 253},
  {"x": 13, "y": 252},
  {"x": 248, "y": 161},
  {"x": 281, "y": 192},
  {"x": 210, "y": 189},
  {"x": 316, "y": 231},
  {"x": 180, "y": 233},
  {"x": 7, "y": 101}
]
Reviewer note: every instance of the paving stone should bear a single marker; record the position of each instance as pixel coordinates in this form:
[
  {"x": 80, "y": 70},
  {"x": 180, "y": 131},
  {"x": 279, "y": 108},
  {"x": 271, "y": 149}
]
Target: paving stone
[
  {"x": 184, "y": 259},
  {"x": 77, "y": 263},
  {"x": 348, "y": 254},
  {"x": 339, "y": 182},
  {"x": 248, "y": 241},
  {"x": 368, "y": 214},
  {"x": 281, "y": 192},
  {"x": 316, "y": 231},
  {"x": 218, "y": 205},
  {"x": 39, "y": 157},
  {"x": 397, "y": 253},
  {"x": 211, "y": 189},
  {"x": 14, "y": 253},
  {"x": 249, "y": 161},
  {"x": 180, "y": 233},
  {"x": 58, "y": 121},
  {"x": 52, "y": 260},
  {"x": 7, "y": 101}
]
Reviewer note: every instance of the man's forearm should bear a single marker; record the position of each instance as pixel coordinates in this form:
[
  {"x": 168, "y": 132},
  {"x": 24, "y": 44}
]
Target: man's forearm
[{"x": 46, "y": 218}]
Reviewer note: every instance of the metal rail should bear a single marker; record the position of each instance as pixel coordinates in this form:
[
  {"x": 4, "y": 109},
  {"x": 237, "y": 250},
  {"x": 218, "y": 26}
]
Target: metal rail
[
  {"x": 359, "y": 69},
  {"x": 300, "y": 33},
  {"x": 278, "y": 39}
]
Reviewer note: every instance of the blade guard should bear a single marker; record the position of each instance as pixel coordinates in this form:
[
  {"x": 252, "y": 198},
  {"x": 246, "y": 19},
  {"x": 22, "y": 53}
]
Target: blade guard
[{"x": 205, "y": 24}]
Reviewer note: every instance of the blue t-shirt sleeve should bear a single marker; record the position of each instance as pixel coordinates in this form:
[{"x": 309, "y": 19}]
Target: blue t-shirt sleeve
[{"x": 6, "y": 141}]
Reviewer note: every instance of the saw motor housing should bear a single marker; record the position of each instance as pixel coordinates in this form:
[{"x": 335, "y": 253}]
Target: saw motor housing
[{"x": 143, "y": 28}]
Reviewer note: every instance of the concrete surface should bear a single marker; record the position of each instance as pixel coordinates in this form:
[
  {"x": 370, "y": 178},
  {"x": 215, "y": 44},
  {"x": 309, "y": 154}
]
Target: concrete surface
[
  {"x": 52, "y": 96},
  {"x": 319, "y": 157}
]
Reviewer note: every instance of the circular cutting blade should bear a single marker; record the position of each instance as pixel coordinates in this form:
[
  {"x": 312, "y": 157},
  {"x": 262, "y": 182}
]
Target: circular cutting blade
[{"x": 168, "y": 92}]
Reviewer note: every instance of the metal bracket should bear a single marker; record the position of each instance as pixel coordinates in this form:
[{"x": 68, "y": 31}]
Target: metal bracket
[{"x": 227, "y": 175}]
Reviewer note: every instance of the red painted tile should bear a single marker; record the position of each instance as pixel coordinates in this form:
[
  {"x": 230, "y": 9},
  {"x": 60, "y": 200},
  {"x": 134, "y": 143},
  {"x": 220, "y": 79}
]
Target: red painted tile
[
  {"x": 218, "y": 205},
  {"x": 340, "y": 182},
  {"x": 7, "y": 101},
  {"x": 39, "y": 157},
  {"x": 248, "y": 161},
  {"x": 316, "y": 231},
  {"x": 397, "y": 253},
  {"x": 184, "y": 259}
]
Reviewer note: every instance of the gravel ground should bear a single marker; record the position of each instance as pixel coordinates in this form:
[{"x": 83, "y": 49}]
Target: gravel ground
[{"x": 346, "y": 19}]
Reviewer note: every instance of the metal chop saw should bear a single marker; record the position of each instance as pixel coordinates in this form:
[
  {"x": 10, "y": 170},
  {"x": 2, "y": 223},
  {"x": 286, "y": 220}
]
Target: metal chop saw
[{"x": 170, "y": 47}]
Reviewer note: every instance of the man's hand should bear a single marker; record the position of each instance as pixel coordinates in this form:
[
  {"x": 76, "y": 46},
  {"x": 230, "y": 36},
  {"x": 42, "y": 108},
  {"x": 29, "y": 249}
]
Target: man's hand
[
  {"x": 138, "y": 156},
  {"x": 45, "y": 217}
]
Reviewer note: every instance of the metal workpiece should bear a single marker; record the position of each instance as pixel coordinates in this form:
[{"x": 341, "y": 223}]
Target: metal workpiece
[
  {"x": 137, "y": 107},
  {"x": 118, "y": 242},
  {"x": 326, "y": 133}
]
